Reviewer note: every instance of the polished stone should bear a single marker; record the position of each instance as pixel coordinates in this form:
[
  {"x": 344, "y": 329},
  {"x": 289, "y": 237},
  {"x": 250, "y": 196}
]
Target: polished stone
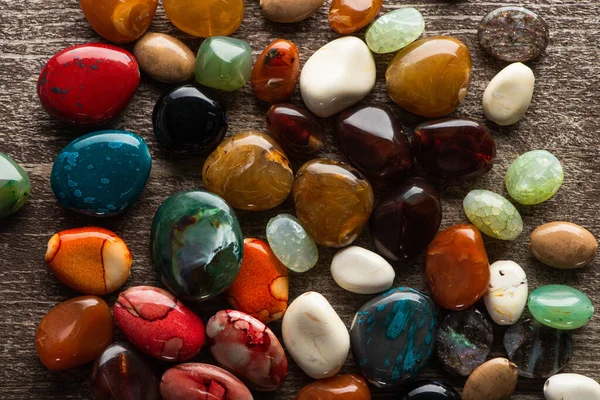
[
  {"x": 15, "y": 186},
  {"x": 339, "y": 387},
  {"x": 165, "y": 58},
  {"x": 291, "y": 244},
  {"x": 563, "y": 245},
  {"x": 361, "y": 271},
  {"x": 507, "y": 294},
  {"x": 493, "y": 214},
  {"x": 395, "y": 30},
  {"x": 534, "y": 177},
  {"x": 571, "y": 387},
  {"x": 560, "y": 307},
  {"x": 287, "y": 11},
  {"x": 224, "y": 63},
  {"x": 348, "y": 16},
  {"x": 276, "y": 72},
  {"x": 494, "y": 380},
  {"x": 119, "y": 21},
  {"x": 425, "y": 389},
  {"x": 205, "y": 18}
]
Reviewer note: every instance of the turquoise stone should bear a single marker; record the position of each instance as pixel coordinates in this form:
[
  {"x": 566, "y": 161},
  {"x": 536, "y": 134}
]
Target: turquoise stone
[
  {"x": 395, "y": 30},
  {"x": 493, "y": 215},
  {"x": 534, "y": 177},
  {"x": 291, "y": 244},
  {"x": 560, "y": 307},
  {"x": 196, "y": 244},
  {"x": 101, "y": 173},
  {"x": 14, "y": 186},
  {"x": 224, "y": 63}
]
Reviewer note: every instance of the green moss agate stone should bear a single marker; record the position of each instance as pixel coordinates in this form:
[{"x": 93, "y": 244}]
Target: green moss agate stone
[
  {"x": 196, "y": 244},
  {"x": 493, "y": 215},
  {"x": 560, "y": 307},
  {"x": 395, "y": 30},
  {"x": 291, "y": 244},
  {"x": 224, "y": 63},
  {"x": 534, "y": 177},
  {"x": 14, "y": 186}
]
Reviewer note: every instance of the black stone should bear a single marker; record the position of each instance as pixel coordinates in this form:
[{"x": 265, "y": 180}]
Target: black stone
[{"x": 428, "y": 390}]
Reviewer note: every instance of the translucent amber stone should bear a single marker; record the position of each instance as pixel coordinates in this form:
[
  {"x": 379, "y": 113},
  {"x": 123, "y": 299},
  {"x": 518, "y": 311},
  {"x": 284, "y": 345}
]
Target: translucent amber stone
[
  {"x": 347, "y": 16},
  {"x": 276, "y": 72},
  {"x": 205, "y": 18}
]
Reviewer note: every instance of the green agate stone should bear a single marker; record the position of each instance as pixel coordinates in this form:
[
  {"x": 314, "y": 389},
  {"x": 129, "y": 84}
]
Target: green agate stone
[
  {"x": 291, "y": 244},
  {"x": 196, "y": 244},
  {"x": 560, "y": 307},
  {"x": 224, "y": 63},
  {"x": 493, "y": 215},
  {"x": 14, "y": 186},
  {"x": 534, "y": 177},
  {"x": 395, "y": 30}
]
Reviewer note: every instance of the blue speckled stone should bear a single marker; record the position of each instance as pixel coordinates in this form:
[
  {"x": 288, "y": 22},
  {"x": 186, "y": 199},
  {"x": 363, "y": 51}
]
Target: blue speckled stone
[
  {"x": 393, "y": 337},
  {"x": 101, "y": 173}
]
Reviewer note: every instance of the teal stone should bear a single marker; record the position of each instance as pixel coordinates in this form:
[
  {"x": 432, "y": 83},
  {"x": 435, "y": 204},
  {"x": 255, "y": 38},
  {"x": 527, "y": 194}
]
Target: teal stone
[
  {"x": 493, "y": 215},
  {"x": 196, "y": 244},
  {"x": 291, "y": 244},
  {"x": 14, "y": 186},
  {"x": 534, "y": 177},
  {"x": 224, "y": 63},
  {"x": 560, "y": 307},
  {"x": 395, "y": 30},
  {"x": 101, "y": 173}
]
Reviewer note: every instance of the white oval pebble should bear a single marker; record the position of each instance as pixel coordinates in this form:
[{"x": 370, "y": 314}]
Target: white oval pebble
[
  {"x": 338, "y": 75},
  {"x": 571, "y": 387},
  {"x": 507, "y": 294},
  {"x": 361, "y": 271},
  {"x": 508, "y": 96},
  {"x": 315, "y": 336}
]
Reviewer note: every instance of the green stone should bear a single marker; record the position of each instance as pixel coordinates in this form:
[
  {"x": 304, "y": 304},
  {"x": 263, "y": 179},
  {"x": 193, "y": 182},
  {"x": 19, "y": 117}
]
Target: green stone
[
  {"x": 14, "y": 186},
  {"x": 196, "y": 244},
  {"x": 560, "y": 307},
  {"x": 395, "y": 30},
  {"x": 224, "y": 63},
  {"x": 493, "y": 215},
  {"x": 534, "y": 177},
  {"x": 291, "y": 244}
]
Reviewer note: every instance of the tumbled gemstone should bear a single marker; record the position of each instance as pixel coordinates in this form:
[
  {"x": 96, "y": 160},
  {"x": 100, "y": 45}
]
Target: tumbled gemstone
[
  {"x": 395, "y": 30},
  {"x": 347, "y": 16},
  {"x": 276, "y": 71},
  {"x": 495, "y": 379},
  {"x": 296, "y": 129},
  {"x": 493, "y": 214},
  {"x": 165, "y": 58},
  {"x": 563, "y": 245},
  {"x": 291, "y": 244},
  {"x": 224, "y": 63},
  {"x": 425, "y": 389},
  {"x": 560, "y": 307},
  {"x": 534, "y": 177},
  {"x": 205, "y": 18},
  {"x": 14, "y": 186},
  {"x": 339, "y": 387}
]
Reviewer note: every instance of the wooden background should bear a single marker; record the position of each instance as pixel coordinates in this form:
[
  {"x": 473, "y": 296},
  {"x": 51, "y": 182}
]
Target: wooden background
[{"x": 562, "y": 119}]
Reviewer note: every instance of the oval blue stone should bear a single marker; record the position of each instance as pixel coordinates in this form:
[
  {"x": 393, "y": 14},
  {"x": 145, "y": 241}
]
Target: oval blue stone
[{"x": 101, "y": 173}]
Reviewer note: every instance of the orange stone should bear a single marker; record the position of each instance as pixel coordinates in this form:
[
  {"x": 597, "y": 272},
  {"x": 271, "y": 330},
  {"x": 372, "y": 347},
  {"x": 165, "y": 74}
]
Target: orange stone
[
  {"x": 457, "y": 267},
  {"x": 205, "y": 18},
  {"x": 347, "y": 16},
  {"x": 276, "y": 71},
  {"x": 339, "y": 387},
  {"x": 261, "y": 287}
]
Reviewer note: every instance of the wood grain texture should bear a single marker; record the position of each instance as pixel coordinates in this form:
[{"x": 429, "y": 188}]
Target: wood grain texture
[{"x": 562, "y": 119}]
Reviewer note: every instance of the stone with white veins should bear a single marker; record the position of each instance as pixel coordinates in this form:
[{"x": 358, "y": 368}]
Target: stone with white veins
[
  {"x": 571, "y": 387},
  {"x": 361, "y": 271},
  {"x": 507, "y": 294}
]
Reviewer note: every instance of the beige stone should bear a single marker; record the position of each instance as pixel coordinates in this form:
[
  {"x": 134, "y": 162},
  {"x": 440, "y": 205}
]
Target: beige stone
[
  {"x": 289, "y": 10},
  {"x": 165, "y": 58},
  {"x": 563, "y": 245},
  {"x": 495, "y": 379}
]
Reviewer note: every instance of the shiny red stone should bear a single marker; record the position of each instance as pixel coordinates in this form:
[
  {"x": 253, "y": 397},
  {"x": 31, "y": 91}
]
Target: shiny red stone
[
  {"x": 276, "y": 71},
  {"x": 297, "y": 130}
]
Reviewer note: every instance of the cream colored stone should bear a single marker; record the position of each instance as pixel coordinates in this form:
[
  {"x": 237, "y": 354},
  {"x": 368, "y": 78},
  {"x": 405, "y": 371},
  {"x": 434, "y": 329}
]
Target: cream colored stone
[
  {"x": 507, "y": 294},
  {"x": 361, "y": 271},
  {"x": 165, "y": 58},
  {"x": 508, "y": 96},
  {"x": 571, "y": 387}
]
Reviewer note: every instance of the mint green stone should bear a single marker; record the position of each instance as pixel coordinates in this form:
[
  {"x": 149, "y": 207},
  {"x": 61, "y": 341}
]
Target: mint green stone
[
  {"x": 493, "y": 215},
  {"x": 560, "y": 307},
  {"x": 14, "y": 186},
  {"x": 534, "y": 177},
  {"x": 224, "y": 63},
  {"x": 291, "y": 244},
  {"x": 395, "y": 30}
]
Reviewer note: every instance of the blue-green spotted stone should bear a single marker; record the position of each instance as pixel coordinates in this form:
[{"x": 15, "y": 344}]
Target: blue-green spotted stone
[
  {"x": 534, "y": 177},
  {"x": 14, "y": 186},
  {"x": 395, "y": 30},
  {"x": 493, "y": 215}
]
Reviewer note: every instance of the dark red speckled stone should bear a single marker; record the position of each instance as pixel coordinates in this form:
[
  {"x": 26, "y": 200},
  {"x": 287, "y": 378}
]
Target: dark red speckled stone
[{"x": 295, "y": 129}]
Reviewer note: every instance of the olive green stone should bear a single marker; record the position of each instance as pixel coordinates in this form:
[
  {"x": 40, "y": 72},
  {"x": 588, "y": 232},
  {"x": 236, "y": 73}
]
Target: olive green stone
[
  {"x": 560, "y": 307},
  {"x": 14, "y": 186},
  {"x": 224, "y": 63},
  {"x": 395, "y": 30},
  {"x": 493, "y": 215},
  {"x": 534, "y": 177}
]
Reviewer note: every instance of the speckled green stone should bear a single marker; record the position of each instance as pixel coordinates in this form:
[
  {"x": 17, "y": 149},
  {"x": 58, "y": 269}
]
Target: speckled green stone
[
  {"x": 14, "y": 186},
  {"x": 493, "y": 215},
  {"x": 224, "y": 63},
  {"x": 291, "y": 244},
  {"x": 534, "y": 177},
  {"x": 395, "y": 30},
  {"x": 560, "y": 307}
]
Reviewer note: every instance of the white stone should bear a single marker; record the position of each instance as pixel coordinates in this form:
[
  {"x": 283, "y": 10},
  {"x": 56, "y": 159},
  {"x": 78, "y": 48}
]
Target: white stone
[
  {"x": 571, "y": 387},
  {"x": 507, "y": 294},
  {"x": 315, "y": 336},
  {"x": 361, "y": 271},
  {"x": 338, "y": 75},
  {"x": 508, "y": 96}
]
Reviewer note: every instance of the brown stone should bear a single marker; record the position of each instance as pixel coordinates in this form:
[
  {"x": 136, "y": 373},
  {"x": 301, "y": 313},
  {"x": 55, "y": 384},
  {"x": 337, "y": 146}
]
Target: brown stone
[
  {"x": 289, "y": 10},
  {"x": 492, "y": 380},
  {"x": 165, "y": 58},
  {"x": 563, "y": 245},
  {"x": 339, "y": 387}
]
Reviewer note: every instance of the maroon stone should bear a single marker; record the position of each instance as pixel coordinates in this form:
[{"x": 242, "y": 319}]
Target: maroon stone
[{"x": 297, "y": 130}]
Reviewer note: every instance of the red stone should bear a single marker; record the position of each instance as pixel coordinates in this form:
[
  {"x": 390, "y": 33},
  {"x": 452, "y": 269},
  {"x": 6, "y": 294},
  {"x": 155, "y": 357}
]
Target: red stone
[
  {"x": 276, "y": 71},
  {"x": 297, "y": 130}
]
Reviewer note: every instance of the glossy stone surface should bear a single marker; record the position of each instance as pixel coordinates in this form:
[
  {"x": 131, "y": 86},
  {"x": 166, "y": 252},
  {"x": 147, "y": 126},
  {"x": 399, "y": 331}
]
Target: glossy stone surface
[
  {"x": 534, "y": 177},
  {"x": 431, "y": 76},
  {"x": 276, "y": 71},
  {"x": 196, "y": 244},
  {"x": 119, "y": 21},
  {"x": 339, "y": 387},
  {"x": 74, "y": 333},
  {"x": 393, "y": 336},
  {"x": 538, "y": 351},
  {"x": 224, "y": 63},
  {"x": 513, "y": 34},
  {"x": 425, "y": 389},
  {"x": 205, "y": 18},
  {"x": 333, "y": 201},
  {"x": 348, "y": 16},
  {"x": 395, "y": 30},
  {"x": 250, "y": 171},
  {"x": 563, "y": 245},
  {"x": 493, "y": 214},
  {"x": 464, "y": 340},
  {"x": 373, "y": 140},
  {"x": 297, "y": 130},
  {"x": 571, "y": 387},
  {"x": 245, "y": 346},
  {"x": 404, "y": 222},
  {"x": 165, "y": 58},
  {"x": 457, "y": 267},
  {"x": 494, "y": 380},
  {"x": 560, "y": 307},
  {"x": 188, "y": 122},
  {"x": 89, "y": 84},
  {"x": 454, "y": 148},
  {"x": 14, "y": 186},
  {"x": 361, "y": 271},
  {"x": 507, "y": 294},
  {"x": 291, "y": 244},
  {"x": 120, "y": 373},
  {"x": 90, "y": 260},
  {"x": 102, "y": 173},
  {"x": 287, "y": 11},
  {"x": 261, "y": 288}
]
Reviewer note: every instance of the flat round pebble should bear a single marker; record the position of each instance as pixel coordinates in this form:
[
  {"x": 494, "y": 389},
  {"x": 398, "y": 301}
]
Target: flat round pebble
[
  {"x": 506, "y": 296},
  {"x": 493, "y": 215},
  {"x": 291, "y": 244},
  {"x": 563, "y": 245},
  {"x": 395, "y": 30},
  {"x": 534, "y": 177},
  {"x": 165, "y": 58},
  {"x": 361, "y": 271},
  {"x": 493, "y": 380},
  {"x": 571, "y": 387},
  {"x": 560, "y": 307}
]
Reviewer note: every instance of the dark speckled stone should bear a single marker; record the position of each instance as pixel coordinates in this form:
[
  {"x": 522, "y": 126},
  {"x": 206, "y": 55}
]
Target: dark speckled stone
[{"x": 428, "y": 390}]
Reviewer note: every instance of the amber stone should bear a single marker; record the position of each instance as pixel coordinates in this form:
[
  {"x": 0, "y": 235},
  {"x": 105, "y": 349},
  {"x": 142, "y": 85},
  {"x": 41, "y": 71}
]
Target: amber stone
[
  {"x": 347, "y": 16},
  {"x": 454, "y": 148},
  {"x": 403, "y": 224},
  {"x": 333, "y": 201},
  {"x": 205, "y": 18},
  {"x": 275, "y": 74},
  {"x": 457, "y": 267},
  {"x": 431, "y": 76},
  {"x": 74, "y": 333},
  {"x": 339, "y": 387},
  {"x": 374, "y": 142},
  {"x": 250, "y": 171}
]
